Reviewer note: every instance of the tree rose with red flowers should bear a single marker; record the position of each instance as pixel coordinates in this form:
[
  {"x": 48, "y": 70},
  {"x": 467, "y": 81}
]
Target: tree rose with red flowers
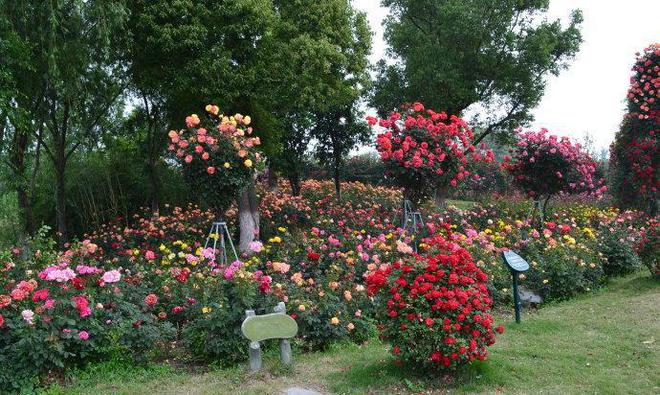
[
  {"x": 434, "y": 307},
  {"x": 427, "y": 152},
  {"x": 634, "y": 155}
]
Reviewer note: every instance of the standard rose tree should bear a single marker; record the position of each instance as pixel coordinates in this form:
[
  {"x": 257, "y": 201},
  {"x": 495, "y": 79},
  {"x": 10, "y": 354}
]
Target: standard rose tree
[
  {"x": 544, "y": 165},
  {"x": 634, "y": 159},
  {"x": 218, "y": 155},
  {"x": 427, "y": 152}
]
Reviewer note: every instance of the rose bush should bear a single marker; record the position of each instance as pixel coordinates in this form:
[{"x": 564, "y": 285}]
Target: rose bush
[
  {"x": 634, "y": 157},
  {"x": 218, "y": 155},
  {"x": 434, "y": 307}
]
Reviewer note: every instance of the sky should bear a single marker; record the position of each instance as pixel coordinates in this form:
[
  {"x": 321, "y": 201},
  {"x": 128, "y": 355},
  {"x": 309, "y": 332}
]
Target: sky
[{"x": 589, "y": 96}]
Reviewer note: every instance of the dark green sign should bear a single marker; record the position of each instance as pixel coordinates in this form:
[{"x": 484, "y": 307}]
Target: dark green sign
[
  {"x": 515, "y": 261},
  {"x": 516, "y": 265}
]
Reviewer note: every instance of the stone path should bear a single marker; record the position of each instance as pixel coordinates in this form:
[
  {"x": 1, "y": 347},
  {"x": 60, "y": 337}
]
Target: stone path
[{"x": 300, "y": 391}]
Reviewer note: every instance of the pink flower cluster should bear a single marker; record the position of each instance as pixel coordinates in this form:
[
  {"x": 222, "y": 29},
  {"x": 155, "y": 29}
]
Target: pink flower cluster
[
  {"x": 425, "y": 141},
  {"x": 545, "y": 164},
  {"x": 61, "y": 273}
]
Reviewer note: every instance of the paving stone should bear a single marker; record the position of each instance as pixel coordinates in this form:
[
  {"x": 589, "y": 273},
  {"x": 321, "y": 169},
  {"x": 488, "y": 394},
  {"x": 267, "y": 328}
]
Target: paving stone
[{"x": 300, "y": 391}]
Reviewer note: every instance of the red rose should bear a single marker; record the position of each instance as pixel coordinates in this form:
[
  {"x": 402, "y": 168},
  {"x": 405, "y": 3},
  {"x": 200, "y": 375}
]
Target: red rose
[
  {"x": 499, "y": 329},
  {"x": 2, "y": 321},
  {"x": 313, "y": 256}
]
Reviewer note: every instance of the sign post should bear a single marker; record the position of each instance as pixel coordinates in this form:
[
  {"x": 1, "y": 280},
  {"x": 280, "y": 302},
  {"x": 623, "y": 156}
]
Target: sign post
[{"x": 516, "y": 265}]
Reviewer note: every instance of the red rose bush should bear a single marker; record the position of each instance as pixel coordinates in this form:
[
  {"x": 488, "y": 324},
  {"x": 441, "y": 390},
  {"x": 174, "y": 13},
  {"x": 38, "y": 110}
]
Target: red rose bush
[{"x": 434, "y": 307}]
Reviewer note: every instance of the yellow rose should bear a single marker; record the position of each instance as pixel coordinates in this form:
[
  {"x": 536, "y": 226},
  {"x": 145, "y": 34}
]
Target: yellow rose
[
  {"x": 247, "y": 120},
  {"x": 206, "y": 310},
  {"x": 226, "y": 165},
  {"x": 301, "y": 307},
  {"x": 334, "y": 321},
  {"x": 248, "y": 163}
]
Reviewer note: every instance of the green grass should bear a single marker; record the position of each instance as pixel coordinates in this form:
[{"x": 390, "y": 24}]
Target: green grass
[
  {"x": 461, "y": 204},
  {"x": 606, "y": 342}
]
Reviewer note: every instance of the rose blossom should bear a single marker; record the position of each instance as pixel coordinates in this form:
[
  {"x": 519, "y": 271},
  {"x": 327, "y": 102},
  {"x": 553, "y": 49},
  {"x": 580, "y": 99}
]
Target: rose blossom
[
  {"x": 28, "y": 316},
  {"x": 111, "y": 276}
]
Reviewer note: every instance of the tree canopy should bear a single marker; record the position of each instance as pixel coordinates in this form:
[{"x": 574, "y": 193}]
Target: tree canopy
[{"x": 493, "y": 56}]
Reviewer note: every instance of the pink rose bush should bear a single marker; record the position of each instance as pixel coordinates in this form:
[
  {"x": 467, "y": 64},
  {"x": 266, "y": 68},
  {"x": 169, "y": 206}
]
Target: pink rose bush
[
  {"x": 427, "y": 152},
  {"x": 543, "y": 165},
  {"x": 635, "y": 163}
]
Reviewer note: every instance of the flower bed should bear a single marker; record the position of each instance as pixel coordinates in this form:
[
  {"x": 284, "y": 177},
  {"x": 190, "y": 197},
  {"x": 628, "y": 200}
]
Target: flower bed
[{"x": 136, "y": 288}]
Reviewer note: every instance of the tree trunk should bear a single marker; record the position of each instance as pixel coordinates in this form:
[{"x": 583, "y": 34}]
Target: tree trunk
[
  {"x": 544, "y": 211},
  {"x": 337, "y": 181},
  {"x": 19, "y": 146},
  {"x": 154, "y": 186},
  {"x": 248, "y": 218},
  {"x": 272, "y": 179},
  {"x": 60, "y": 200},
  {"x": 294, "y": 180},
  {"x": 440, "y": 197}
]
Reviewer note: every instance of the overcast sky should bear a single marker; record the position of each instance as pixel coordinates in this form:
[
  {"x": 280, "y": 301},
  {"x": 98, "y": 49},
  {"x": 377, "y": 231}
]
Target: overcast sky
[{"x": 589, "y": 96}]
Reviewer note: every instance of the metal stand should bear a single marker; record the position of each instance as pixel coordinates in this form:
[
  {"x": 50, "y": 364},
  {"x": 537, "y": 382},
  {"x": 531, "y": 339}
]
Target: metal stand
[
  {"x": 412, "y": 221},
  {"x": 217, "y": 232},
  {"x": 516, "y": 296}
]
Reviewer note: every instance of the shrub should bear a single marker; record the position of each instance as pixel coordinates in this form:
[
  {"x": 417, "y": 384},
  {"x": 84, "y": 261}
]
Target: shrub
[
  {"x": 545, "y": 165},
  {"x": 434, "y": 308},
  {"x": 648, "y": 247},
  {"x": 215, "y": 334},
  {"x": 619, "y": 253},
  {"x": 635, "y": 160}
]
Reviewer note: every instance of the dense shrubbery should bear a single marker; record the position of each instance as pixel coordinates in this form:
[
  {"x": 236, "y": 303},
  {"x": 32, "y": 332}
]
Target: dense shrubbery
[
  {"x": 134, "y": 284},
  {"x": 434, "y": 308}
]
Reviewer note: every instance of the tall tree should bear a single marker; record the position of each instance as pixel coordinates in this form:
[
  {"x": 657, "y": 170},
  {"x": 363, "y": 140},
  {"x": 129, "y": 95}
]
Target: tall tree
[
  {"x": 336, "y": 133},
  {"x": 71, "y": 80},
  {"x": 318, "y": 56},
  {"x": 491, "y": 55}
]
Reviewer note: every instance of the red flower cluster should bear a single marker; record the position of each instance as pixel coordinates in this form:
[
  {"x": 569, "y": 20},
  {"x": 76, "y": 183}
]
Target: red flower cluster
[
  {"x": 423, "y": 147},
  {"x": 435, "y": 307}
]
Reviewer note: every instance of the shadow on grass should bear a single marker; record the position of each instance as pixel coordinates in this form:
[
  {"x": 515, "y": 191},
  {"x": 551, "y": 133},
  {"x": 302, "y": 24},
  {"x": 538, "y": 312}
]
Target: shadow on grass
[
  {"x": 635, "y": 285},
  {"x": 385, "y": 376}
]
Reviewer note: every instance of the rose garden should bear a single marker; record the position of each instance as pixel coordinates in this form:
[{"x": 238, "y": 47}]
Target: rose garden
[{"x": 396, "y": 281}]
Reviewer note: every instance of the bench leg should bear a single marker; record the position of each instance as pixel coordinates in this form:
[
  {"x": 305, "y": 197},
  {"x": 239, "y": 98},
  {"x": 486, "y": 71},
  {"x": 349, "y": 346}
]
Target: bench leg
[
  {"x": 255, "y": 356},
  {"x": 285, "y": 351}
]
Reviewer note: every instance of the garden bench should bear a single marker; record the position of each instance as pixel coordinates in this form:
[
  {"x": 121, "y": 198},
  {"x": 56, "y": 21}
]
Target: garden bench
[{"x": 277, "y": 325}]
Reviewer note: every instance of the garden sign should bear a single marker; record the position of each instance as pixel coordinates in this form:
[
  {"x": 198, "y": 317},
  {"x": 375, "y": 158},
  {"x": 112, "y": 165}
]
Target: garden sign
[{"x": 516, "y": 265}]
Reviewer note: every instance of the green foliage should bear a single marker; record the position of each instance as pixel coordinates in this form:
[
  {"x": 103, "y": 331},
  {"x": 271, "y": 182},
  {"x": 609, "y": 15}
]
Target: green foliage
[
  {"x": 216, "y": 336},
  {"x": 456, "y": 53},
  {"x": 619, "y": 253}
]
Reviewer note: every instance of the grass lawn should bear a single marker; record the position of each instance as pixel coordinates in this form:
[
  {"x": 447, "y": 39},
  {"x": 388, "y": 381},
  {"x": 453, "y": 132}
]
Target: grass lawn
[{"x": 607, "y": 342}]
